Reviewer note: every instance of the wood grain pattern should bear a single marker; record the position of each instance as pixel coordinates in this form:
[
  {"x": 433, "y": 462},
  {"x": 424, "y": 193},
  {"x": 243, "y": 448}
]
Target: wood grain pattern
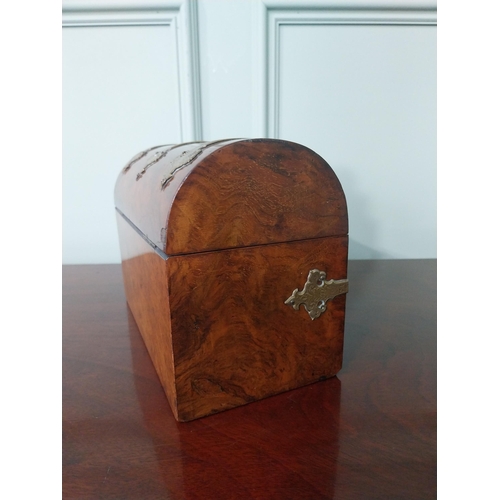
[
  {"x": 143, "y": 201},
  {"x": 235, "y": 340},
  {"x": 368, "y": 434},
  {"x": 243, "y": 223},
  {"x": 236, "y": 193},
  {"x": 146, "y": 287},
  {"x": 216, "y": 325},
  {"x": 255, "y": 193}
]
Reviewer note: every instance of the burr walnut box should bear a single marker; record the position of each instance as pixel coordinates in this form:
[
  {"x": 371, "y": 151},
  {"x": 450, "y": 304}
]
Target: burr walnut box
[{"x": 234, "y": 257}]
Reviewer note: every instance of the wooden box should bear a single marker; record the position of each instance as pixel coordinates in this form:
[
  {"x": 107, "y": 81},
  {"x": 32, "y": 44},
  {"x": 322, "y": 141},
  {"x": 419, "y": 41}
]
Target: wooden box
[{"x": 218, "y": 240}]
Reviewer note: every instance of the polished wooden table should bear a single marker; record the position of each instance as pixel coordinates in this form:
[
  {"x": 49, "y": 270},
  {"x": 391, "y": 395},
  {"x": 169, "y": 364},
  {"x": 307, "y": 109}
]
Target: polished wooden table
[{"x": 369, "y": 433}]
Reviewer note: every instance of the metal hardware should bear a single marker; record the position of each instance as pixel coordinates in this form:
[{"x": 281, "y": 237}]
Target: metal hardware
[
  {"x": 159, "y": 155},
  {"x": 316, "y": 293},
  {"x": 185, "y": 159},
  {"x": 140, "y": 155},
  {"x": 156, "y": 158}
]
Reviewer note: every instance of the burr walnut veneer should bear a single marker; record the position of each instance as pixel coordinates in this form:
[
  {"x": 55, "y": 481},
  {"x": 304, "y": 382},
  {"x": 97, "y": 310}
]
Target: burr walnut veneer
[{"x": 217, "y": 239}]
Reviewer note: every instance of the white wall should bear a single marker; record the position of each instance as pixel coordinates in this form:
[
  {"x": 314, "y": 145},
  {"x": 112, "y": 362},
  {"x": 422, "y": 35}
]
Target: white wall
[{"x": 353, "y": 80}]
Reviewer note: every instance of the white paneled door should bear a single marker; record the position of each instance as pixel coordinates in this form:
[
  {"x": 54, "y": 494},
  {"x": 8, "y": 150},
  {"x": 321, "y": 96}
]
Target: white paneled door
[{"x": 354, "y": 81}]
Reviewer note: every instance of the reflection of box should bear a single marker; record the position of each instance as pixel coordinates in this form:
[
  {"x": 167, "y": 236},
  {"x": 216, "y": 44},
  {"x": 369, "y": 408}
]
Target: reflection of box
[{"x": 218, "y": 241}]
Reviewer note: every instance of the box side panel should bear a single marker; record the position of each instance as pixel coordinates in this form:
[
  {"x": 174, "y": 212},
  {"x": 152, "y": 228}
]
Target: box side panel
[
  {"x": 144, "y": 276},
  {"x": 256, "y": 192},
  {"x": 234, "y": 338}
]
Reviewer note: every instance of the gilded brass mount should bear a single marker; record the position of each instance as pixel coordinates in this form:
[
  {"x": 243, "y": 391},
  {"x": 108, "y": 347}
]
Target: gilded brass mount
[{"x": 316, "y": 293}]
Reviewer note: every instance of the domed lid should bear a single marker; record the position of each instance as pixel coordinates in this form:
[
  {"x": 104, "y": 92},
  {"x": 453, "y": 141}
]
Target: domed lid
[{"x": 207, "y": 196}]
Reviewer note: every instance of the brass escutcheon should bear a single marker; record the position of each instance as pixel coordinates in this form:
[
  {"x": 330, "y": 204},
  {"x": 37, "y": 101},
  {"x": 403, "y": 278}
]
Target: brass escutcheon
[{"x": 316, "y": 293}]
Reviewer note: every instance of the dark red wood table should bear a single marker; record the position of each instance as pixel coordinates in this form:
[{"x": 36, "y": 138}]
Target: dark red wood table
[{"x": 368, "y": 433}]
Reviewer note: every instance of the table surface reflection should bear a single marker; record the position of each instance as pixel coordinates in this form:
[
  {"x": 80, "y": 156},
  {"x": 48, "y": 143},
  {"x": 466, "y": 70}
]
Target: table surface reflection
[{"x": 369, "y": 433}]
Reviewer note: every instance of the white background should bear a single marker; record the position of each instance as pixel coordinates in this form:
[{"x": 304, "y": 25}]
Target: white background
[{"x": 354, "y": 81}]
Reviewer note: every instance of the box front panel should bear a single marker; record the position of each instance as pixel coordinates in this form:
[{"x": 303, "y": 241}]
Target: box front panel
[
  {"x": 235, "y": 340},
  {"x": 145, "y": 281}
]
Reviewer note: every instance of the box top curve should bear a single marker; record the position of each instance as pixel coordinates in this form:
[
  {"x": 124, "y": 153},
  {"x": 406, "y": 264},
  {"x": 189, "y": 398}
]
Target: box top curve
[{"x": 206, "y": 196}]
